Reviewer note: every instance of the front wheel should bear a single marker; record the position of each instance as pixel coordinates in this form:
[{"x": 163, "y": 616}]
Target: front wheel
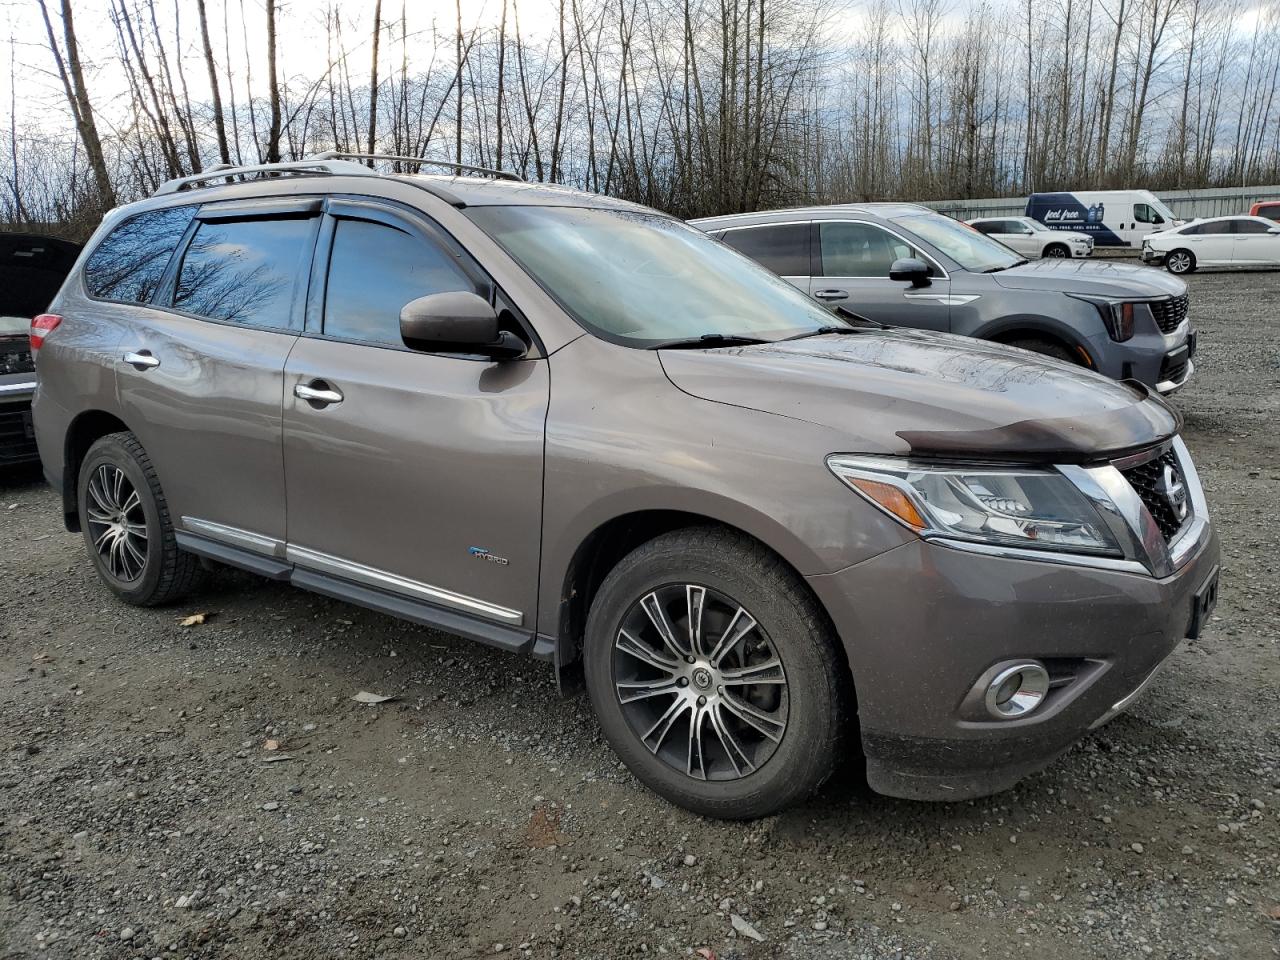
[
  {"x": 1056, "y": 251},
  {"x": 1180, "y": 262},
  {"x": 125, "y": 520},
  {"x": 715, "y": 675}
]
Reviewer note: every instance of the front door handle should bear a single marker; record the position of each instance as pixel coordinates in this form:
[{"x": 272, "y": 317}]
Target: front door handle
[
  {"x": 142, "y": 360},
  {"x": 317, "y": 393},
  {"x": 831, "y": 294}
]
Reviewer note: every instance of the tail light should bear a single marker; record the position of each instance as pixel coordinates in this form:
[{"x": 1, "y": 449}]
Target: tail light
[{"x": 41, "y": 327}]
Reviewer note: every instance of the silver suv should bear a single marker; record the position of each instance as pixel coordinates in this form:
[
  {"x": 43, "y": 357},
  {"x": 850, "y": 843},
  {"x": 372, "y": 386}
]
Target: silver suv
[
  {"x": 578, "y": 429},
  {"x": 906, "y": 265}
]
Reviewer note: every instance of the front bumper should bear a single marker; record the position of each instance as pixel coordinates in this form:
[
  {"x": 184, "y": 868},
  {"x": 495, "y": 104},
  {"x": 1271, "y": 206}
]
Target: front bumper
[
  {"x": 17, "y": 437},
  {"x": 922, "y": 622}
]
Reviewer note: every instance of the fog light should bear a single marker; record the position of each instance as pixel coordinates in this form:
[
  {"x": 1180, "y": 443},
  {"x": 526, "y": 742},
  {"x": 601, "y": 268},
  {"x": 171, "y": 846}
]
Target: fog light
[{"x": 1017, "y": 690}]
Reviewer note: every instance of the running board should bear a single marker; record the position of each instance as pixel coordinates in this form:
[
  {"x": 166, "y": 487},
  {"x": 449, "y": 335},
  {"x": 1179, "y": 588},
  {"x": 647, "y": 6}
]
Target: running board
[{"x": 511, "y": 639}]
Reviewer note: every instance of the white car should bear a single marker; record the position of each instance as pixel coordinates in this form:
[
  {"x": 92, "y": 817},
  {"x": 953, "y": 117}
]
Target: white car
[
  {"x": 1033, "y": 239},
  {"x": 1217, "y": 242}
]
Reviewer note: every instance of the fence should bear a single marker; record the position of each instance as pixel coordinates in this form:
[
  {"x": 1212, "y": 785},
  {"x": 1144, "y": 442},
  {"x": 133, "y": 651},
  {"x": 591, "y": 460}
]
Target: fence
[{"x": 1186, "y": 204}]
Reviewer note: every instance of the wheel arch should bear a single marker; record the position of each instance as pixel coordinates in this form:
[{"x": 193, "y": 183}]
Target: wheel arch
[
  {"x": 1038, "y": 328},
  {"x": 84, "y": 430},
  {"x": 607, "y": 544}
]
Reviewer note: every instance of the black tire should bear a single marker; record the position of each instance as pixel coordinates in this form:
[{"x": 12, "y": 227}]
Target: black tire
[
  {"x": 1047, "y": 348},
  {"x": 1056, "y": 251},
  {"x": 798, "y": 634},
  {"x": 166, "y": 573},
  {"x": 1180, "y": 262}
]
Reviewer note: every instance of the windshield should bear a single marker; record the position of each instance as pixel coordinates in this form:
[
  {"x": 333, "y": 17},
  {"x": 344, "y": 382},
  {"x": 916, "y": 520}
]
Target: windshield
[
  {"x": 643, "y": 279},
  {"x": 963, "y": 244},
  {"x": 1035, "y": 225}
]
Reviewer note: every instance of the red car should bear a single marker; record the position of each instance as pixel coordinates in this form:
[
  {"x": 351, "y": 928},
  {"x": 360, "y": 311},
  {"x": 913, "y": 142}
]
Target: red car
[{"x": 1266, "y": 208}]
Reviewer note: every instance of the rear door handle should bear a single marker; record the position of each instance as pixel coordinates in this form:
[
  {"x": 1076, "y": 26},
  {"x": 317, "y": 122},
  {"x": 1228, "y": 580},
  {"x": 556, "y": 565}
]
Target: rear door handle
[
  {"x": 317, "y": 393},
  {"x": 142, "y": 360},
  {"x": 831, "y": 294}
]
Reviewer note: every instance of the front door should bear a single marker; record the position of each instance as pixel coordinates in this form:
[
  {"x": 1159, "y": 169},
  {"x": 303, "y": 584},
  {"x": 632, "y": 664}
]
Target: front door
[
  {"x": 412, "y": 473},
  {"x": 201, "y": 374},
  {"x": 852, "y": 261},
  {"x": 1254, "y": 243}
]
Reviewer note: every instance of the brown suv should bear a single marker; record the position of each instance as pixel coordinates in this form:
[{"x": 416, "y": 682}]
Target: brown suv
[{"x": 579, "y": 429}]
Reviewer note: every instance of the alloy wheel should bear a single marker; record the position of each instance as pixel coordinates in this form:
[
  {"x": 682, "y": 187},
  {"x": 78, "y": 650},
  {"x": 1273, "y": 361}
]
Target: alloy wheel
[
  {"x": 700, "y": 682},
  {"x": 117, "y": 523},
  {"x": 1179, "y": 263}
]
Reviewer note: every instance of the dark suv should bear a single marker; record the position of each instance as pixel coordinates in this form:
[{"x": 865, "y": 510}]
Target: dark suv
[
  {"x": 575, "y": 428},
  {"x": 906, "y": 265}
]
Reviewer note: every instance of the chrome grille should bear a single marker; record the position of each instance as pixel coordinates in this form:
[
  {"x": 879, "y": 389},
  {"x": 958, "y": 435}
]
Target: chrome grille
[
  {"x": 1147, "y": 481},
  {"x": 1170, "y": 312}
]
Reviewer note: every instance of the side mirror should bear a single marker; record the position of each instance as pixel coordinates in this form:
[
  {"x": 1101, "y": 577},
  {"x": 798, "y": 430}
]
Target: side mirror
[
  {"x": 1275, "y": 229},
  {"x": 910, "y": 270},
  {"x": 457, "y": 322}
]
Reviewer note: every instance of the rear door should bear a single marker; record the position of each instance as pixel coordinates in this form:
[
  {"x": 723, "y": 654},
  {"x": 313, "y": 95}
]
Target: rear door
[
  {"x": 201, "y": 380},
  {"x": 422, "y": 475},
  {"x": 852, "y": 260}
]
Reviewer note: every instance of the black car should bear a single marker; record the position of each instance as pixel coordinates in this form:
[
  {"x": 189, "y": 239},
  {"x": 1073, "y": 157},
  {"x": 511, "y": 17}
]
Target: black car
[{"x": 32, "y": 269}]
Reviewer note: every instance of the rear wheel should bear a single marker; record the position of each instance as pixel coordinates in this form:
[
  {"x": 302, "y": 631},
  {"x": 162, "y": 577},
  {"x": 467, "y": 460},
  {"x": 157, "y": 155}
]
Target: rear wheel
[
  {"x": 1180, "y": 262},
  {"x": 126, "y": 525},
  {"x": 715, "y": 675},
  {"x": 1047, "y": 348},
  {"x": 1056, "y": 251}
]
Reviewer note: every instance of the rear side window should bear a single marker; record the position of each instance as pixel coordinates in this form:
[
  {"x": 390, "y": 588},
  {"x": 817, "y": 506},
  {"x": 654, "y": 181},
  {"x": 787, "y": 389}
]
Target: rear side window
[
  {"x": 1270, "y": 210},
  {"x": 374, "y": 270},
  {"x": 128, "y": 265},
  {"x": 990, "y": 227},
  {"x": 246, "y": 271},
  {"x": 784, "y": 249}
]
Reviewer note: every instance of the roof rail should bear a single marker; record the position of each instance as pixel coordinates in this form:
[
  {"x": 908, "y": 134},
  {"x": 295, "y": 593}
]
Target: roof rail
[
  {"x": 421, "y": 161},
  {"x": 229, "y": 173}
]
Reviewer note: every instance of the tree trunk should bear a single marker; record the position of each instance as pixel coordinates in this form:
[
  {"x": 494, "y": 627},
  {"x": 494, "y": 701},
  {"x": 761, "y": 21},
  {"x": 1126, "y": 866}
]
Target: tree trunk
[
  {"x": 77, "y": 94},
  {"x": 219, "y": 124}
]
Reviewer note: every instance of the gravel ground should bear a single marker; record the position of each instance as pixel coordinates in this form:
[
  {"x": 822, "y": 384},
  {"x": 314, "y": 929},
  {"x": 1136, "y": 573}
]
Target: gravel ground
[{"x": 213, "y": 790}]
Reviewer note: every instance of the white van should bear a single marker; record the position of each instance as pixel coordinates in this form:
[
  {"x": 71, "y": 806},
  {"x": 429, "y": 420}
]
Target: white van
[{"x": 1114, "y": 218}]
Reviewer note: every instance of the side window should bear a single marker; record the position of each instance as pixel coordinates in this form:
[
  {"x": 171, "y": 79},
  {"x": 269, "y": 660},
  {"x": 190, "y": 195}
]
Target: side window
[
  {"x": 245, "y": 271},
  {"x": 128, "y": 264},
  {"x": 1249, "y": 226},
  {"x": 1143, "y": 213},
  {"x": 784, "y": 249},
  {"x": 374, "y": 270},
  {"x": 859, "y": 250},
  {"x": 990, "y": 227}
]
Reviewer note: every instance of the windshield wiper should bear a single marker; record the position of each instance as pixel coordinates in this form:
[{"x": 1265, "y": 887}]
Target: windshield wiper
[
  {"x": 823, "y": 331},
  {"x": 1016, "y": 263},
  {"x": 706, "y": 340}
]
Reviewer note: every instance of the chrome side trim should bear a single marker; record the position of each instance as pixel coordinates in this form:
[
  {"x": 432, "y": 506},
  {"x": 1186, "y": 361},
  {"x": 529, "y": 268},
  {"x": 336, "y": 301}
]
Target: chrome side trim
[
  {"x": 383, "y": 580},
  {"x": 235, "y": 536},
  {"x": 1044, "y": 556},
  {"x": 946, "y": 299},
  {"x": 26, "y": 386},
  {"x": 1123, "y": 704}
]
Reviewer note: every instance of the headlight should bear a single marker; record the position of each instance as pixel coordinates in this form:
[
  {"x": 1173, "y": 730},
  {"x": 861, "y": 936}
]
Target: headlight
[
  {"x": 1117, "y": 315},
  {"x": 1037, "y": 509}
]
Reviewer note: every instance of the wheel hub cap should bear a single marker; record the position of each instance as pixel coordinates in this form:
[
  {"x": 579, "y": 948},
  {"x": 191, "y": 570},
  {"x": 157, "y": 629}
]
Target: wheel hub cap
[
  {"x": 700, "y": 683},
  {"x": 117, "y": 524}
]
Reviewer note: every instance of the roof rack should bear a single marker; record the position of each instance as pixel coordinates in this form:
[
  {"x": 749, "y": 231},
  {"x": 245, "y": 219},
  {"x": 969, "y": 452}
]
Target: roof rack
[
  {"x": 421, "y": 161},
  {"x": 230, "y": 173}
]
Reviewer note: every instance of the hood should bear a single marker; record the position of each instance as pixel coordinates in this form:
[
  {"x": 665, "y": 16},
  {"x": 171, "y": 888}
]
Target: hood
[
  {"x": 1090, "y": 276},
  {"x": 907, "y": 391}
]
